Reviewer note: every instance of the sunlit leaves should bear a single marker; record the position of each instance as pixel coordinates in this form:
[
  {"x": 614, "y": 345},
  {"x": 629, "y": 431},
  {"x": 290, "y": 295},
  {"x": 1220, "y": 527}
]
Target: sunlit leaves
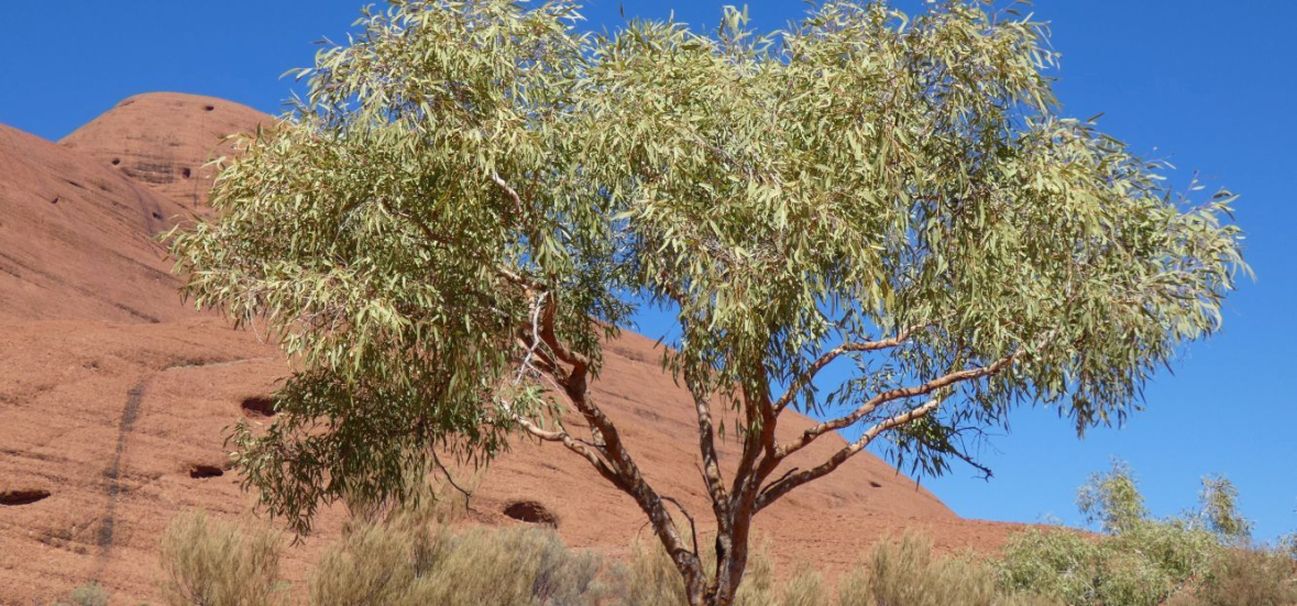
[{"x": 857, "y": 174}]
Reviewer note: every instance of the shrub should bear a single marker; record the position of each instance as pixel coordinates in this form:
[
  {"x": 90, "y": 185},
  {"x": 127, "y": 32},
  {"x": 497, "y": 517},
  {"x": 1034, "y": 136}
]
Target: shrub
[
  {"x": 215, "y": 563},
  {"x": 1112, "y": 499},
  {"x": 1131, "y": 578},
  {"x": 1140, "y": 560},
  {"x": 1287, "y": 545},
  {"x": 1145, "y": 564},
  {"x": 372, "y": 564},
  {"x": 1180, "y": 550},
  {"x": 905, "y": 572},
  {"x": 1058, "y": 563},
  {"x": 1246, "y": 577},
  {"x": 806, "y": 588},
  {"x": 897, "y": 573},
  {"x": 651, "y": 579},
  {"x": 1219, "y": 500},
  {"x": 86, "y": 595},
  {"x": 400, "y": 562}
]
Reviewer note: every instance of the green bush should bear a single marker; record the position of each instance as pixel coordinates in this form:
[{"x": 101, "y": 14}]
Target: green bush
[
  {"x": 1112, "y": 499},
  {"x": 1058, "y": 563},
  {"x": 216, "y": 563},
  {"x": 1181, "y": 551},
  {"x": 1141, "y": 560},
  {"x": 1219, "y": 500},
  {"x": 1145, "y": 564}
]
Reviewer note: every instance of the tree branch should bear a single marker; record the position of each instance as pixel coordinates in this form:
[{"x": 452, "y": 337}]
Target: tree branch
[
  {"x": 616, "y": 463},
  {"x": 693, "y": 527},
  {"x": 806, "y": 377},
  {"x": 790, "y": 481},
  {"x": 590, "y": 452},
  {"x": 759, "y": 440},
  {"x": 467, "y": 494},
  {"x": 509, "y": 191},
  {"x": 711, "y": 469},
  {"x": 812, "y": 433},
  {"x": 707, "y": 444}
]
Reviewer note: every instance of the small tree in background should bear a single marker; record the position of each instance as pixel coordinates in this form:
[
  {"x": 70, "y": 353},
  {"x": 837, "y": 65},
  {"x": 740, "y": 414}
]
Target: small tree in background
[
  {"x": 474, "y": 195},
  {"x": 1112, "y": 500},
  {"x": 1203, "y": 557},
  {"x": 1219, "y": 501}
]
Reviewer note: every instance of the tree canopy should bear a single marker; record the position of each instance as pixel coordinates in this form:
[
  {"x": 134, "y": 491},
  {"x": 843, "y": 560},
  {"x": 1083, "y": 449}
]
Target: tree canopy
[{"x": 475, "y": 194}]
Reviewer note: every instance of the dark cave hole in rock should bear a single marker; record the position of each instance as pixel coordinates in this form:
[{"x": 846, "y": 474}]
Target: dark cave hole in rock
[
  {"x": 875, "y": 484},
  {"x": 208, "y": 108},
  {"x": 185, "y": 172},
  {"x": 199, "y": 471},
  {"x": 531, "y": 512},
  {"x": 117, "y": 161},
  {"x": 157, "y": 215},
  {"x": 22, "y": 496},
  {"x": 258, "y": 406}
]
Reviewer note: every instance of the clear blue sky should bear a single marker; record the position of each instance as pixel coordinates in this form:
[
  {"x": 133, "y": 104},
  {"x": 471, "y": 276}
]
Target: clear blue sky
[{"x": 1209, "y": 85}]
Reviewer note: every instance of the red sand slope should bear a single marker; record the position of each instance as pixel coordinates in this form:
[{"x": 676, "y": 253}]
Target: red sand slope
[{"x": 112, "y": 391}]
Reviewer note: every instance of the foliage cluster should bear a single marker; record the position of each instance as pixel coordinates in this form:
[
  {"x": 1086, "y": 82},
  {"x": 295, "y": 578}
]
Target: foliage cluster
[
  {"x": 1203, "y": 557},
  {"x": 473, "y": 185},
  {"x": 475, "y": 194}
]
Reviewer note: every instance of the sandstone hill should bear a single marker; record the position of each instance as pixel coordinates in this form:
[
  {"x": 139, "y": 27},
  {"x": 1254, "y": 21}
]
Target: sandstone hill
[{"x": 115, "y": 395}]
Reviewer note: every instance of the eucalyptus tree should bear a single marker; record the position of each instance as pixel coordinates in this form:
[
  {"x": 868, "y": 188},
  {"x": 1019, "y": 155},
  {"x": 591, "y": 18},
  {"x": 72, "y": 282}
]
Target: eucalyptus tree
[{"x": 475, "y": 195}]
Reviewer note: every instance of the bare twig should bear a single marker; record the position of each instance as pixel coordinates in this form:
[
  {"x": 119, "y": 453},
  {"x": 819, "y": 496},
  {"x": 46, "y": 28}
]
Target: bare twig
[
  {"x": 451, "y": 479},
  {"x": 790, "y": 481},
  {"x": 806, "y": 377},
  {"x": 693, "y": 528}
]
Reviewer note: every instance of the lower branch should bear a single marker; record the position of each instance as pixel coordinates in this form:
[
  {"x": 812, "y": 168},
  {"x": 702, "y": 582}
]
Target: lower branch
[
  {"x": 779, "y": 488},
  {"x": 590, "y": 452},
  {"x": 971, "y": 374}
]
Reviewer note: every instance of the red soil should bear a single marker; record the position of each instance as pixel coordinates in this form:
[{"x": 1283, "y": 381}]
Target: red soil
[{"x": 114, "y": 396}]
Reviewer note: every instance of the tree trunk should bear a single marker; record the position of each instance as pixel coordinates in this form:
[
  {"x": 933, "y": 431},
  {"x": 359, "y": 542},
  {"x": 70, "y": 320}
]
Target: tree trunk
[
  {"x": 732, "y": 555},
  {"x": 695, "y": 587}
]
